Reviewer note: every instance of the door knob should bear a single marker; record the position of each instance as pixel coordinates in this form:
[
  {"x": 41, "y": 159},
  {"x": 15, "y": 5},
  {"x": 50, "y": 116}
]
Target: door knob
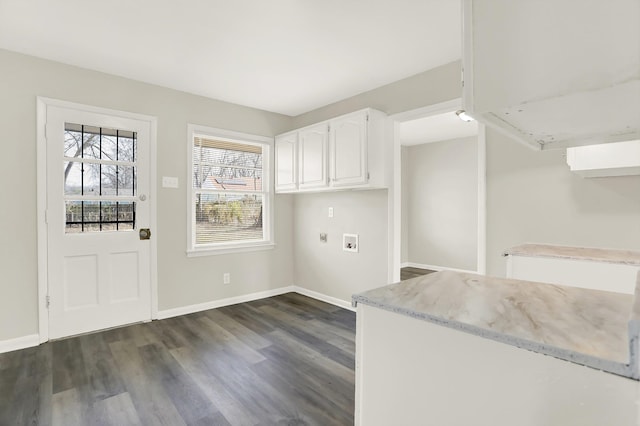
[
  {"x": 142, "y": 197},
  {"x": 144, "y": 233}
]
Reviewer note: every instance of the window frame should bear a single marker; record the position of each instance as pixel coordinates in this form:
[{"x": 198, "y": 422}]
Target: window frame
[{"x": 267, "y": 143}]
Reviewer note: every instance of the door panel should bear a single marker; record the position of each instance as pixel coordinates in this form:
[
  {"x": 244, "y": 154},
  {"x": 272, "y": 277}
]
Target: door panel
[
  {"x": 313, "y": 157},
  {"x": 286, "y": 161},
  {"x": 349, "y": 150},
  {"x": 80, "y": 282},
  {"x": 124, "y": 269},
  {"x": 98, "y": 180}
]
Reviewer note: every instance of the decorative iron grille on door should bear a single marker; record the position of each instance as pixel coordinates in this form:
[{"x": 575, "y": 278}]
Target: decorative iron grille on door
[{"x": 99, "y": 179}]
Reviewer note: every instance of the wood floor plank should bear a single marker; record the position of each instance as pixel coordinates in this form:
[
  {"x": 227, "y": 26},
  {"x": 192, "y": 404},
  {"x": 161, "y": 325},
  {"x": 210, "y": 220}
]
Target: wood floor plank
[
  {"x": 185, "y": 394},
  {"x": 244, "y": 334},
  {"x": 215, "y": 390},
  {"x": 8, "y": 379},
  {"x": 148, "y": 396},
  {"x": 256, "y": 395},
  {"x": 231, "y": 342},
  {"x": 249, "y": 317},
  {"x": 116, "y": 410},
  {"x": 295, "y": 327},
  {"x": 68, "y": 369},
  {"x": 310, "y": 406},
  {"x": 102, "y": 375},
  {"x": 285, "y": 360},
  {"x": 68, "y": 409}
]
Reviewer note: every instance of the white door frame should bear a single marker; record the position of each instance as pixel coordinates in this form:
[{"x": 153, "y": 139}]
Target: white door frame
[
  {"x": 395, "y": 189},
  {"x": 43, "y": 285}
]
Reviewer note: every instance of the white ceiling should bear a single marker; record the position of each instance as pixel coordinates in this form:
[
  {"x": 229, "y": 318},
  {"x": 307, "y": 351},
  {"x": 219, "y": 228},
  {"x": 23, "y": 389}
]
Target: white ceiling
[
  {"x": 286, "y": 56},
  {"x": 436, "y": 128}
]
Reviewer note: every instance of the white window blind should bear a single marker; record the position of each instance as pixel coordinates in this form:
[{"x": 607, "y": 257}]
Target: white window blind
[{"x": 230, "y": 195}]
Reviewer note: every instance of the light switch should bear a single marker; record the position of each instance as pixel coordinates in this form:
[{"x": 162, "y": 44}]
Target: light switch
[{"x": 169, "y": 182}]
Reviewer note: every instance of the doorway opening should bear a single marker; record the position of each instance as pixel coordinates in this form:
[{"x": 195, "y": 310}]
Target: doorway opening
[{"x": 438, "y": 193}]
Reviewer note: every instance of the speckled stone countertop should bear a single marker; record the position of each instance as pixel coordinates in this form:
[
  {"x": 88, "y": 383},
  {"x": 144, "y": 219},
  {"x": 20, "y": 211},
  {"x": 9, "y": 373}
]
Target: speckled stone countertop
[
  {"x": 625, "y": 257},
  {"x": 595, "y": 328}
]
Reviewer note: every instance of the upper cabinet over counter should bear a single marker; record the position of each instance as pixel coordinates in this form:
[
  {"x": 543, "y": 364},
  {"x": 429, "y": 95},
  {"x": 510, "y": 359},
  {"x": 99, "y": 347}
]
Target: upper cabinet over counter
[
  {"x": 554, "y": 73},
  {"x": 346, "y": 152}
]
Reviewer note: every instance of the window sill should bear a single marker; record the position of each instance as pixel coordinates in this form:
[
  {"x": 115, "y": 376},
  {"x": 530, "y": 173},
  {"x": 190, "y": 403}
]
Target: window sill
[{"x": 229, "y": 249}]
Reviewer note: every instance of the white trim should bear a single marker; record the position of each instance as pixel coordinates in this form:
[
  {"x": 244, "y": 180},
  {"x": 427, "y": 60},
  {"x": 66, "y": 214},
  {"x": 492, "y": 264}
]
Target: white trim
[
  {"x": 153, "y": 214},
  {"x": 394, "y": 207},
  {"x": 438, "y": 268},
  {"x": 42, "y": 103},
  {"x": 395, "y": 188},
  {"x": 34, "y": 339},
  {"x": 244, "y": 248},
  {"x": 268, "y": 191},
  {"x": 23, "y": 342},
  {"x": 359, "y": 360},
  {"x": 324, "y": 298},
  {"x": 425, "y": 111},
  {"x": 41, "y": 225},
  {"x": 467, "y": 57},
  {"x": 184, "y": 310},
  {"x": 482, "y": 200},
  {"x": 404, "y": 265}
]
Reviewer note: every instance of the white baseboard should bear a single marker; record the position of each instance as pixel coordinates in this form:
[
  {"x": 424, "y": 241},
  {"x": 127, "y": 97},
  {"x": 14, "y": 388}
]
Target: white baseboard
[
  {"x": 404, "y": 265},
  {"x": 324, "y": 298},
  {"x": 19, "y": 343},
  {"x": 184, "y": 310},
  {"x": 437, "y": 268},
  {"x": 34, "y": 339}
]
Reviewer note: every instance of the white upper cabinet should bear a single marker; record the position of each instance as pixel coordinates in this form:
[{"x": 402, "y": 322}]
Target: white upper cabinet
[
  {"x": 554, "y": 73},
  {"x": 312, "y": 157},
  {"x": 610, "y": 159},
  {"x": 287, "y": 162},
  {"x": 348, "y": 149},
  {"x": 346, "y": 152}
]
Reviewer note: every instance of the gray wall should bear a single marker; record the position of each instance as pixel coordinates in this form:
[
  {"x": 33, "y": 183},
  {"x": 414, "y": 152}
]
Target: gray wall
[
  {"x": 440, "y": 190},
  {"x": 430, "y": 87},
  {"x": 533, "y": 197},
  {"x": 325, "y": 267},
  {"x": 181, "y": 281}
]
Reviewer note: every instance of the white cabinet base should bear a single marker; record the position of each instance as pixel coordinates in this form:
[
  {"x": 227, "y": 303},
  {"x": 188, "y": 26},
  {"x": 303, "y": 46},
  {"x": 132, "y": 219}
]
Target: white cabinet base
[{"x": 412, "y": 372}]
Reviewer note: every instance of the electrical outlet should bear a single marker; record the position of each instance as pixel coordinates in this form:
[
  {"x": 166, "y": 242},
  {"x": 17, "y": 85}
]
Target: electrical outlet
[
  {"x": 323, "y": 237},
  {"x": 226, "y": 278},
  {"x": 330, "y": 211}
]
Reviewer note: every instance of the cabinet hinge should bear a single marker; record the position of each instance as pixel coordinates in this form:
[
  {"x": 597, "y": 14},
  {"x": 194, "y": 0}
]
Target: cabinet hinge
[
  {"x": 329, "y": 128},
  {"x": 48, "y": 299},
  {"x": 367, "y": 117},
  {"x": 368, "y": 175}
]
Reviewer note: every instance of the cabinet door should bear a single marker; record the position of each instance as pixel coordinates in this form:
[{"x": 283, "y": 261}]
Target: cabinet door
[
  {"x": 286, "y": 162},
  {"x": 312, "y": 157},
  {"x": 348, "y": 142}
]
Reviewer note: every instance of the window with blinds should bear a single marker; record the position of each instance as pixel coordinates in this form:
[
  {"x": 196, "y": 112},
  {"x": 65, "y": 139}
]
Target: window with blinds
[{"x": 230, "y": 196}]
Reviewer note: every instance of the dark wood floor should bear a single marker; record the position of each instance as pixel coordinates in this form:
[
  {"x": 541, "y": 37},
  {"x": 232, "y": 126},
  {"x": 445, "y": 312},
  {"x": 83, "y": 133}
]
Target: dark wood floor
[
  {"x": 285, "y": 360},
  {"x": 409, "y": 272}
]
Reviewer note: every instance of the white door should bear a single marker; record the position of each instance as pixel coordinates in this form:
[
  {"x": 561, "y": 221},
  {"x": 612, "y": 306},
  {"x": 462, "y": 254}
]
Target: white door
[
  {"x": 312, "y": 151},
  {"x": 348, "y": 143},
  {"x": 98, "y": 177},
  {"x": 286, "y": 161}
]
